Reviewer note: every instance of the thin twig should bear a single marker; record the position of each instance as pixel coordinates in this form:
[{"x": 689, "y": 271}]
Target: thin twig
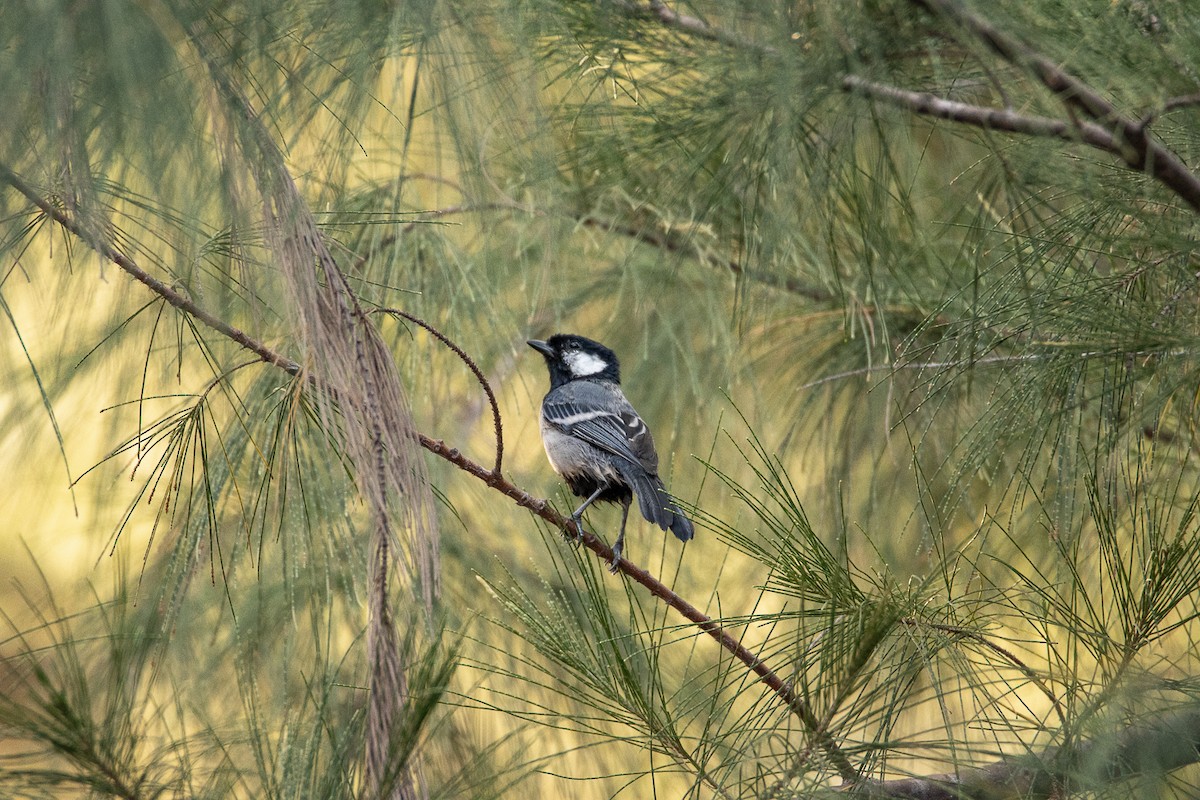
[
  {"x": 674, "y": 244},
  {"x": 471, "y": 365},
  {"x": 1000, "y": 650},
  {"x": 1182, "y": 101},
  {"x": 1171, "y": 104}
]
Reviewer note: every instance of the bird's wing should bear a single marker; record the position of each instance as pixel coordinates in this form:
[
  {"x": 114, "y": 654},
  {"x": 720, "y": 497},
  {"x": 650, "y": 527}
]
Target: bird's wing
[{"x": 604, "y": 419}]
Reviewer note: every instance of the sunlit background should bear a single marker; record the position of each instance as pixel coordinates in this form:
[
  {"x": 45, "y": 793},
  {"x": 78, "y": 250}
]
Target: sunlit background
[{"x": 962, "y": 363}]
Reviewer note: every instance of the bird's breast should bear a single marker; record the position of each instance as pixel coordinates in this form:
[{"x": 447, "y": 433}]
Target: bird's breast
[{"x": 571, "y": 457}]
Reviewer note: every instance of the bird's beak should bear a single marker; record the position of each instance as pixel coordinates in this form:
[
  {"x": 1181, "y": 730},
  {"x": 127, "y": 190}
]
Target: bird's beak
[{"x": 541, "y": 347}]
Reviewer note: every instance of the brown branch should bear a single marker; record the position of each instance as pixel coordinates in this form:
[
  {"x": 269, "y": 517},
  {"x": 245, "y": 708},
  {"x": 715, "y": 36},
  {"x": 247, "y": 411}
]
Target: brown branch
[
  {"x": 1140, "y": 152},
  {"x": 783, "y": 690},
  {"x": 175, "y": 298},
  {"x": 1155, "y": 746},
  {"x": 999, "y": 119},
  {"x": 1070, "y": 90},
  {"x": 657, "y": 588},
  {"x": 1123, "y": 136}
]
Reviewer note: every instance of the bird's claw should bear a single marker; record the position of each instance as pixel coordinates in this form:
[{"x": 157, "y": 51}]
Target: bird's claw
[
  {"x": 578, "y": 529},
  {"x": 616, "y": 557}
]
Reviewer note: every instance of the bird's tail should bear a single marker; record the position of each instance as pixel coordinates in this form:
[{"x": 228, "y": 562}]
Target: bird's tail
[
  {"x": 656, "y": 506},
  {"x": 681, "y": 526}
]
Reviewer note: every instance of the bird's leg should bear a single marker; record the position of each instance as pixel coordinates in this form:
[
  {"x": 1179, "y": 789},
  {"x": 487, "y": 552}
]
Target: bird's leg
[
  {"x": 577, "y": 517},
  {"x": 619, "y": 545}
]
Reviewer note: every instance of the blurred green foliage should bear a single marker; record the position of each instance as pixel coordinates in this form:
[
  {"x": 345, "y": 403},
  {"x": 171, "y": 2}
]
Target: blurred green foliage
[{"x": 930, "y": 388}]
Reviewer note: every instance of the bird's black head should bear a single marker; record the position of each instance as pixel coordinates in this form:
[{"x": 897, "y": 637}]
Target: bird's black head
[{"x": 572, "y": 357}]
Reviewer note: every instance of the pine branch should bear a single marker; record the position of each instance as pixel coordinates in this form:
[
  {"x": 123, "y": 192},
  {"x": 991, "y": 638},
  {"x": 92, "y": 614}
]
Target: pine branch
[
  {"x": 999, "y": 119},
  {"x": 171, "y": 295},
  {"x": 673, "y": 244},
  {"x": 541, "y": 507},
  {"x": 1140, "y": 151},
  {"x": 1110, "y": 131},
  {"x": 1155, "y": 746}
]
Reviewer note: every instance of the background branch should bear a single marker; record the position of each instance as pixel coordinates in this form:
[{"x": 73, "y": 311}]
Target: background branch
[
  {"x": 1110, "y": 131},
  {"x": 999, "y": 119},
  {"x": 676, "y": 244},
  {"x": 1139, "y": 150},
  {"x": 1154, "y": 746}
]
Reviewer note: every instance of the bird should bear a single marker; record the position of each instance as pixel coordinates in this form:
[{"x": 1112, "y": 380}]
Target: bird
[{"x": 597, "y": 442}]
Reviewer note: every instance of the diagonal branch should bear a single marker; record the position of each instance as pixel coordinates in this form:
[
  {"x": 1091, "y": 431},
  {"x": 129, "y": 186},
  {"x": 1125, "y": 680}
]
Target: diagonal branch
[
  {"x": 999, "y": 119},
  {"x": 176, "y": 298},
  {"x": 541, "y": 507},
  {"x": 1154, "y": 746},
  {"x": 1129, "y": 141},
  {"x": 1070, "y": 90},
  {"x": 1109, "y": 130},
  {"x": 674, "y": 244},
  {"x": 782, "y": 689},
  {"x": 1140, "y": 152}
]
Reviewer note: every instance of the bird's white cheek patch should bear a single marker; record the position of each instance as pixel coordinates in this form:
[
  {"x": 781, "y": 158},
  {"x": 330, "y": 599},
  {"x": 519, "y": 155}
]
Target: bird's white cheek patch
[{"x": 583, "y": 364}]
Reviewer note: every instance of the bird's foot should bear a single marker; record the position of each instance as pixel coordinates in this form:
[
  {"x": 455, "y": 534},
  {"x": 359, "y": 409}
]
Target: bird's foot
[
  {"x": 616, "y": 556},
  {"x": 578, "y": 528}
]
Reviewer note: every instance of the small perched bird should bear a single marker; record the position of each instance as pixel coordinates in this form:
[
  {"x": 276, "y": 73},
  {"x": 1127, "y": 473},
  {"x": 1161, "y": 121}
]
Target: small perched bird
[{"x": 596, "y": 441}]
